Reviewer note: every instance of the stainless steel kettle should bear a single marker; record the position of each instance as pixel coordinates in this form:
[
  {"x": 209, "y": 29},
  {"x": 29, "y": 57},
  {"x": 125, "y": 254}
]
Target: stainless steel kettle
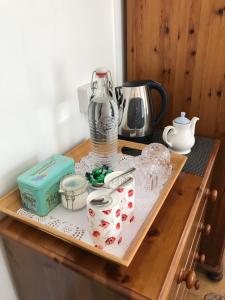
[{"x": 136, "y": 111}]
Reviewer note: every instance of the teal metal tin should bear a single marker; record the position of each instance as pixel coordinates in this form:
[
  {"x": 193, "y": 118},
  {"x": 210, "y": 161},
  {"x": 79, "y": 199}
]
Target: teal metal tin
[{"x": 39, "y": 186}]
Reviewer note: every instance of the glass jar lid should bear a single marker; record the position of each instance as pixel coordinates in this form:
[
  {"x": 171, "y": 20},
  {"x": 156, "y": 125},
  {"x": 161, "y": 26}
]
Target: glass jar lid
[{"x": 73, "y": 184}]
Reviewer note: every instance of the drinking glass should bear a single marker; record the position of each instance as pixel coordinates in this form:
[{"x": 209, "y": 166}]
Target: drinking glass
[
  {"x": 153, "y": 168},
  {"x": 157, "y": 151}
]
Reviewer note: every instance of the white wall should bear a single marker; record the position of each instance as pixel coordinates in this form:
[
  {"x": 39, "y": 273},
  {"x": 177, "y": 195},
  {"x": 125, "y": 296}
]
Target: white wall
[{"x": 47, "y": 49}]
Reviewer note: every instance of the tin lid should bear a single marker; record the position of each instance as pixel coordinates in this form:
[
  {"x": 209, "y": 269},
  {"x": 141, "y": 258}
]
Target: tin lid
[
  {"x": 73, "y": 183},
  {"x": 182, "y": 119},
  {"x": 46, "y": 171}
]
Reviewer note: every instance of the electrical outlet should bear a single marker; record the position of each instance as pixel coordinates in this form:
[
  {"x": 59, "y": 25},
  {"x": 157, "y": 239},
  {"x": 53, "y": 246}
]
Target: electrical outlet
[{"x": 84, "y": 94}]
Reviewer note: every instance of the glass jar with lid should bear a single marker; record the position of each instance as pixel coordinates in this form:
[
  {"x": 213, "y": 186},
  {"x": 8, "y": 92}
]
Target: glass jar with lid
[{"x": 73, "y": 189}]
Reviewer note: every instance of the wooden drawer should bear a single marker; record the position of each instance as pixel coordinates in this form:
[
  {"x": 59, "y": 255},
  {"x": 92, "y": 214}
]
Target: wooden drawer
[
  {"x": 191, "y": 248},
  {"x": 190, "y": 264}
]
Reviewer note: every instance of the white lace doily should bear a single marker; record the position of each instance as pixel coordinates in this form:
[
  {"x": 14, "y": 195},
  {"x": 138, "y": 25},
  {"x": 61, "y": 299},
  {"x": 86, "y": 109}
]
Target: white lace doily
[
  {"x": 75, "y": 223},
  {"x": 56, "y": 223}
]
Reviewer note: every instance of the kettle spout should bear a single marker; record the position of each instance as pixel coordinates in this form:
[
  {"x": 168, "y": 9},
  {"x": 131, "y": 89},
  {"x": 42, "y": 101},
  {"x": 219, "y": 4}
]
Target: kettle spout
[{"x": 193, "y": 123}]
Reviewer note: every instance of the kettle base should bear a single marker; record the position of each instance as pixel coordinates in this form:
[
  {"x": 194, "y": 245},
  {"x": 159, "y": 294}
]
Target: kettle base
[{"x": 142, "y": 140}]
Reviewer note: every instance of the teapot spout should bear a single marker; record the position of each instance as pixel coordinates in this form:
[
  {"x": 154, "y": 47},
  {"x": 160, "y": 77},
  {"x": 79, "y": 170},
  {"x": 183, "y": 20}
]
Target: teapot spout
[{"x": 193, "y": 123}]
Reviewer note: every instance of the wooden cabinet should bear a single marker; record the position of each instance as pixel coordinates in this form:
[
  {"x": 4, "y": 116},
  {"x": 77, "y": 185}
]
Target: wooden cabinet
[
  {"x": 163, "y": 267},
  {"x": 185, "y": 277}
]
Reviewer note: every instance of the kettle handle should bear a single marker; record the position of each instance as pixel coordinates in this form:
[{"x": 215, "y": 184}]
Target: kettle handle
[
  {"x": 119, "y": 95},
  {"x": 120, "y": 103},
  {"x": 153, "y": 85}
]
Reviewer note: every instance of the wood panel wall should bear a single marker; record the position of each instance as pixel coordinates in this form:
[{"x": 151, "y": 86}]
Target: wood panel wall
[{"x": 181, "y": 43}]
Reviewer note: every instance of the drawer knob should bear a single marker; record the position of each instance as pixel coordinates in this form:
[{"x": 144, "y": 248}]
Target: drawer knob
[
  {"x": 200, "y": 258},
  {"x": 211, "y": 194},
  {"x": 206, "y": 229},
  {"x": 189, "y": 277}
]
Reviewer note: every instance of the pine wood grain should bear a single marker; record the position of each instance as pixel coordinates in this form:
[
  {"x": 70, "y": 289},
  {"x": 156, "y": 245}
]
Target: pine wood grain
[
  {"x": 151, "y": 273},
  {"x": 146, "y": 274},
  {"x": 214, "y": 244},
  {"x": 181, "y": 44},
  {"x": 12, "y": 202}
]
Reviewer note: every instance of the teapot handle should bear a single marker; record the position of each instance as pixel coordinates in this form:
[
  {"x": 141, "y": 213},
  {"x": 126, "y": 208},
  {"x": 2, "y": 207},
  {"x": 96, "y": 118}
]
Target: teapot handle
[
  {"x": 165, "y": 133},
  {"x": 153, "y": 85}
]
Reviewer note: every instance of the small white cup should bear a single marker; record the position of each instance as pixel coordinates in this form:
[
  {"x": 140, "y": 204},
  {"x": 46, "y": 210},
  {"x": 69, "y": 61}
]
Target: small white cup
[
  {"x": 125, "y": 194},
  {"x": 105, "y": 223}
]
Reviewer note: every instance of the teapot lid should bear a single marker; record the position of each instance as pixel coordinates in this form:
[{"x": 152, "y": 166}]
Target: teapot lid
[{"x": 182, "y": 119}]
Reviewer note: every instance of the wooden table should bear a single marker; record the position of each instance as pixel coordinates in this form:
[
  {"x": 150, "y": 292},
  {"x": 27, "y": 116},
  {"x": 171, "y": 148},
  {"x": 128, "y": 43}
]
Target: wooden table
[{"x": 161, "y": 269}]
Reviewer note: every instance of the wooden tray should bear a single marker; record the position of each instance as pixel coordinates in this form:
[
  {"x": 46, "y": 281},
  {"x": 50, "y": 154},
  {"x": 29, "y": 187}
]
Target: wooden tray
[{"x": 10, "y": 203}]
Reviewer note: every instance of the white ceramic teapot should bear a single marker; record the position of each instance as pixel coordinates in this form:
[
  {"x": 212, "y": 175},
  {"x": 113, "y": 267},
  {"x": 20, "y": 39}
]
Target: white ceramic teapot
[{"x": 180, "y": 137}]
